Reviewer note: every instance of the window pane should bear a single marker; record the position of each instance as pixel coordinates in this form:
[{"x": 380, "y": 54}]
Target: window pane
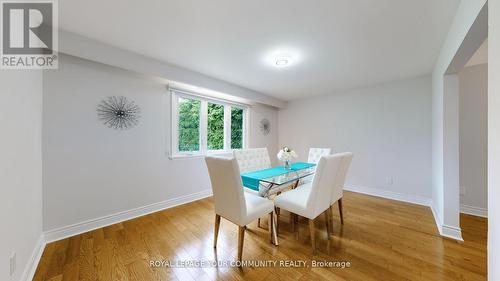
[
  {"x": 189, "y": 124},
  {"x": 215, "y": 126},
  {"x": 236, "y": 128}
]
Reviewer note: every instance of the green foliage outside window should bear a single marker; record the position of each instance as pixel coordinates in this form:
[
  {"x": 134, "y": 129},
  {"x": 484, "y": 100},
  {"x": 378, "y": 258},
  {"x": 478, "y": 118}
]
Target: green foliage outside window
[
  {"x": 236, "y": 128},
  {"x": 189, "y": 125},
  {"x": 215, "y": 127}
]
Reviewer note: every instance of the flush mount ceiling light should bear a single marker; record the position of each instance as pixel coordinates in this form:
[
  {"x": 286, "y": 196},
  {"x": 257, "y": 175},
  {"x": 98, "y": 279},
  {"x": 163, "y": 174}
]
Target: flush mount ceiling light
[
  {"x": 282, "y": 57},
  {"x": 283, "y": 60}
]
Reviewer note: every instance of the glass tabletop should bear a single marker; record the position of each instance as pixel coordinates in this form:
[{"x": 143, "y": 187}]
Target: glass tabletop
[
  {"x": 291, "y": 176},
  {"x": 264, "y": 180}
]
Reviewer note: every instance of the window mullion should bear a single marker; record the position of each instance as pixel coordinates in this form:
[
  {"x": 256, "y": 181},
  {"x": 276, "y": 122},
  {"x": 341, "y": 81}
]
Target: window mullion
[
  {"x": 227, "y": 127},
  {"x": 203, "y": 126}
]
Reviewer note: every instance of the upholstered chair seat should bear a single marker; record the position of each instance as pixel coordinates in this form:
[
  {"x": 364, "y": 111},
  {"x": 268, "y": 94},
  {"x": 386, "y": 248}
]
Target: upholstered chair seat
[
  {"x": 313, "y": 199},
  {"x": 232, "y": 203}
]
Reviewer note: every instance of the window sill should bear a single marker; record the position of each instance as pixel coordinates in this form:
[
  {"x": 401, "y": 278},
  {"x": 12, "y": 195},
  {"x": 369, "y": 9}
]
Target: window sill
[
  {"x": 227, "y": 153},
  {"x": 185, "y": 156}
]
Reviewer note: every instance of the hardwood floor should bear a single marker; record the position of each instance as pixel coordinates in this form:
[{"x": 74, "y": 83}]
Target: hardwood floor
[{"x": 382, "y": 239}]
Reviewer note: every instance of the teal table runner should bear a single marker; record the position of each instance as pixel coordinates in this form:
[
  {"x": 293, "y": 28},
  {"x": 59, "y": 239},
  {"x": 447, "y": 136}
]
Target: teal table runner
[{"x": 252, "y": 179}]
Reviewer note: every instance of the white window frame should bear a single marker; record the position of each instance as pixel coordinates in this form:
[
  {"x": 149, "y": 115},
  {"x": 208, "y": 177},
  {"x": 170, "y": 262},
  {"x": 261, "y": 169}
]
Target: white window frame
[{"x": 175, "y": 94}]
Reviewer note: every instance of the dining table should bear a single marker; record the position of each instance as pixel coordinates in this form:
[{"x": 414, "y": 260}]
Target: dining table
[{"x": 266, "y": 181}]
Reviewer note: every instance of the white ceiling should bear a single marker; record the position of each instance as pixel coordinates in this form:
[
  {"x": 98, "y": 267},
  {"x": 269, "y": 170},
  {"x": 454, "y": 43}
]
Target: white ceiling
[{"x": 336, "y": 44}]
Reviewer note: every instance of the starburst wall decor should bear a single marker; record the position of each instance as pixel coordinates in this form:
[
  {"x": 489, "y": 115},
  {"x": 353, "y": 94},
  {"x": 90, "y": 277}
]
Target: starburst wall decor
[{"x": 118, "y": 113}]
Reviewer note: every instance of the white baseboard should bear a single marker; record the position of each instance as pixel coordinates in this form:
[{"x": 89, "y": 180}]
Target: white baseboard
[
  {"x": 437, "y": 217},
  {"x": 475, "y": 211},
  {"x": 446, "y": 230},
  {"x": 414, "y": 199},
  {"x": 85, "y": 226},
  {"x": 30, "y": 268},
  {"x": 451, "y": 232}
]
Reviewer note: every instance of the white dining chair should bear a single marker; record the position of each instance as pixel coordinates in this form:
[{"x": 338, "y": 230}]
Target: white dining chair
[
  {"x": 316, "y": 153},
  {"x": 232, "y": 203},
  {"x": 313, "y": 157},
  {"x": 252, "y": 159},
  {"x": 313, "y": 199},
  {"x": 338, "y": 186}
]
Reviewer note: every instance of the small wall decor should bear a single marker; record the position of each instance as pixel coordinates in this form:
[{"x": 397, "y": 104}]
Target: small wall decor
[
  {"x": 118, "y": 113},
  {"x": 265, "y": 126}
]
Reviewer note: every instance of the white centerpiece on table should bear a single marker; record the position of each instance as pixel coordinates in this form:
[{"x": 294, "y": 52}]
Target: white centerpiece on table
[{"x": 286, "y": 155}]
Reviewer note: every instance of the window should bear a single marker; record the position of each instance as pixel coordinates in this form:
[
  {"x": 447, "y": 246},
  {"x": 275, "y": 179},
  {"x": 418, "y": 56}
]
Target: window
[
  {"x": 189, "y": 124},
  {"x": 215, "y": 127},
  {"x": 202, "y": 125},
  {"x": 236, "y": 128}
]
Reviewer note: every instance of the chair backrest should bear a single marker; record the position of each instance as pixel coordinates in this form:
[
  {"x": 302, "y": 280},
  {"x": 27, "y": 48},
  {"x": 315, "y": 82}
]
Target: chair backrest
[
  {"x": 316, "y": 153},
  {"x": 227, "y": 188},
  {"x": 338, "y": 186},
  {"x": 324, "y": 179},
  {"x": 252, "y": 159}
]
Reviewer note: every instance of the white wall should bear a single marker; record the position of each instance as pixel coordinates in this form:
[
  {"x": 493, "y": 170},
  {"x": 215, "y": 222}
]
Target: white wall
[
  {"x": 258, "y": 139},
  {"x": 473, "y": 138},
  {"x": 494, "y": 140},
  {"x": 446, "y": 200},
  {"x": 387, "y": 127},
  {"x": 20, "y": 169},
  {"x": 91, "y": 171},
  {"x": 481, "y": 55},
  {"x": 451, "y": 157}
]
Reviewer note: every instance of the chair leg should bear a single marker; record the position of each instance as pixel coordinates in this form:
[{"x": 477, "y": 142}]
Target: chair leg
[
  {"x": 241, "y": 236},
  {"x": 258, "y": 222},
  {"x": 327, "y": 222},
  {"x": 277, "y": 216},
  {"x": 340, "y": 211},
  {"x": 270, "y": 225},
  {"x": 311, "y": 229},
  {"x": 275, "y": 228},
  {"x": 272, "y": 229},
  {"x": 216, "y": 229}
]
